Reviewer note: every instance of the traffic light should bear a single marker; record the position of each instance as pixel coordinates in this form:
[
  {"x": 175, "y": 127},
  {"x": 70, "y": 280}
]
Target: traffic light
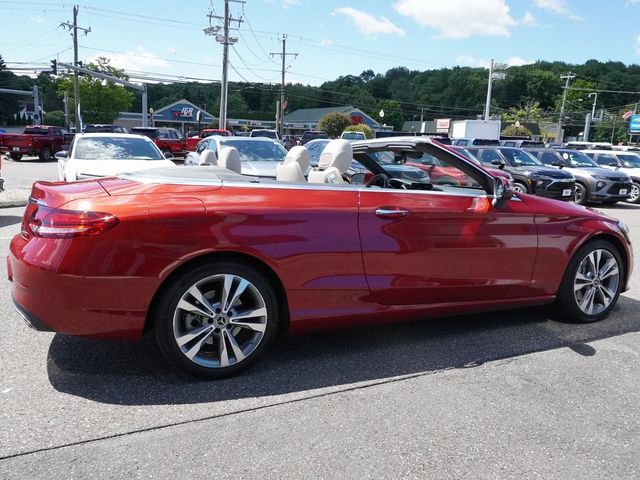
[{"x": 54, "y": 67}]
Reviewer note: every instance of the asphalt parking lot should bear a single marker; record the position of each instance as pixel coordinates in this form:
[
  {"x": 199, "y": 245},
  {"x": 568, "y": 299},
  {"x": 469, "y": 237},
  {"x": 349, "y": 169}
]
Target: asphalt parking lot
[{"x": 514, "y": 394}]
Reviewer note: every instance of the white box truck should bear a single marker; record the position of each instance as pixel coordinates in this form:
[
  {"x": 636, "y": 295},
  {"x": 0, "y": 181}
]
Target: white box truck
[{"x": 481, "y": 129}]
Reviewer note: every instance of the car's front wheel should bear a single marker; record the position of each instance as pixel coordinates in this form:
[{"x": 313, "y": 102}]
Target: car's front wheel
[
  {"x": 592, "y": 282},
  {"x": 216, "y": 319},
  {"x": 519, "y": 187},
  {"x": 580, "y": 194},
  {"x": 634, "y": 193}
]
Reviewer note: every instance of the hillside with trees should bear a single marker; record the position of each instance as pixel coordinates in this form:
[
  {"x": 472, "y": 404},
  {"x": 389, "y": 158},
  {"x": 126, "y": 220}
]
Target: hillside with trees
[{"x": 531, "y": 92}]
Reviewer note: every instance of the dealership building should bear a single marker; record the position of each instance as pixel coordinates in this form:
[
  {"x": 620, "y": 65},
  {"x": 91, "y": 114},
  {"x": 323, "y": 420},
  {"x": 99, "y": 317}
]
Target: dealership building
[{"x": 186, "y": 116}]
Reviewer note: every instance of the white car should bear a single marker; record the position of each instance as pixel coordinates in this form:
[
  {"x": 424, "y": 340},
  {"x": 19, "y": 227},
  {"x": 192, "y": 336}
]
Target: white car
[
  {"x": 625, "y": 162},
  {"x": 259, "y": 156},
  {"x": 105, "y": 154}
]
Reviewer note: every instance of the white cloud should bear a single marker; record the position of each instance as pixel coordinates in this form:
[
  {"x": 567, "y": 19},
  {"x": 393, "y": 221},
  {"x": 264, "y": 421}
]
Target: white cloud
[
  {"x": 529, "y": 20},
  {"x": 289, "y": 3},
  {"x": 137, "y": 59},
  {"x": 460, "y": 19},
  {"x": 39, "y": 20},
  {"x": 367, "y": 24},
  {"x": 632, "y": 2},
  {"x": 470, "y": 61},
  {"x": 326, "y": 43},
  {"x": 558, "y": 6}
]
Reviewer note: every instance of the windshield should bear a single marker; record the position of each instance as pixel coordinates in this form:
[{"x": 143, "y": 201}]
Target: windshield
[
  {"x": 578, "y": 159},
  {"x": 519, "y": 157},
  {"x": 257, "y": 151},
  {"x": 116, "y": 148},
  {"x": 352, "y": 136},
  {"x": 630, "y": 161}
]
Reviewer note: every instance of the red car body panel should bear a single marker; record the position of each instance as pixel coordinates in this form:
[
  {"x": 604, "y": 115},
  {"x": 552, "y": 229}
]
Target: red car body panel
[
  {"x": 31, "y": 143},
  {"x": 339, "y": 263}
]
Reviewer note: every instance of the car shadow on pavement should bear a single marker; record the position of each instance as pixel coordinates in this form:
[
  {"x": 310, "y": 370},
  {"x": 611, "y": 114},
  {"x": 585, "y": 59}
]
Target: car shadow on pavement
[
  {"x": 137, "y": 373},
  {"x": 6, "y": 220}
]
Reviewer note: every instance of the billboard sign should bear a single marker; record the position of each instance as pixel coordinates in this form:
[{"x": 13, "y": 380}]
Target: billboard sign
[{"x": 634, "y": 124}]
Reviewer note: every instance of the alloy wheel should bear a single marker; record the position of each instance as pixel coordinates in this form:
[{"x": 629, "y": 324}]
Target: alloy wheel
[
  {"x": 634, "y": 193},
  {"x": 596, "y": 281},
  {"x": 220, "y": 321},
  {"x": 580, "y": 194}
]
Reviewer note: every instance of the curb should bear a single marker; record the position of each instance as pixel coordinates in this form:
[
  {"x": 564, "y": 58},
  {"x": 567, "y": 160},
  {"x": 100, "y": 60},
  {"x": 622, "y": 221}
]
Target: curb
[{"x": 14, "y": 198}]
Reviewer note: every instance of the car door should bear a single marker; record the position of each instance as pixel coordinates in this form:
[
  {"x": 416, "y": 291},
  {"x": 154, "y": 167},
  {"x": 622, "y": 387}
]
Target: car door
[{"x": 428, "y": 247}]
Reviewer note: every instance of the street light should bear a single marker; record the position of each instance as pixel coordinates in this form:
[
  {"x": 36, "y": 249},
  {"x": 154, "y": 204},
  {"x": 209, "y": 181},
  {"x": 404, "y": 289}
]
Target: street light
[
  {"x": 595, "y": 99},
  {"x": 381, "y": 115}
]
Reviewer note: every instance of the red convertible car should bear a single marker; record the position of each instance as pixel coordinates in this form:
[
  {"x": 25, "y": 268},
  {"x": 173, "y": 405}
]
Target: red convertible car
[{"x": 216, "y": 264}]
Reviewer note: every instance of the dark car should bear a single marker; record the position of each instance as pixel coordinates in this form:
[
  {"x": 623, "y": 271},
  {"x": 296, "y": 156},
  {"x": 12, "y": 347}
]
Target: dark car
[
  {"x": 593, "y": 183},
  {"x": 104, "y": 128},
  {"x": 312, "y": 135},
  {"x": 529, "y": 174}
]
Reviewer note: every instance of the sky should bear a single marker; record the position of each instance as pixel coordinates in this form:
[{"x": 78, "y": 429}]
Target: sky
[{"x": 164, "y": 40}]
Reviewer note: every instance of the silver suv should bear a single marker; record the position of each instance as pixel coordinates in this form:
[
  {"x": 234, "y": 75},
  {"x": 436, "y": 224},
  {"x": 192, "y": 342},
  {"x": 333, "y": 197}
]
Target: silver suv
[
  {"x": 594, "y": 184},
  {"x": 625, "y": 162}
]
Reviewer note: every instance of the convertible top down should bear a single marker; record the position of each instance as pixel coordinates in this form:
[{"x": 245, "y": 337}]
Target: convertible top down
[{"x": 216, "y": 263}]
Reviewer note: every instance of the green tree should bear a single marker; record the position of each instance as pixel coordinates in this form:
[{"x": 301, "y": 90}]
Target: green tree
[
  {"x": 516, "y": 131},
  {"x": 392, "y": 114},
  {"x": 334, "y": 123},
  {"x": 101, "y": 101},
  {"x": 530, "y": 111},
  {"x": 56, "y": 117},
  {"x": 361, "y": 127}
]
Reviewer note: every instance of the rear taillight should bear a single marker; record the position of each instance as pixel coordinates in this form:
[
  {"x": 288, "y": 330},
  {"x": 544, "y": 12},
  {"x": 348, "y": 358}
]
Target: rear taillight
[{"x": 42, "y": 221}]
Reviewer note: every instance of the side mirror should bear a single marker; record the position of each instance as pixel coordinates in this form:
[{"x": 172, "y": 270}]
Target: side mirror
[
  {"x": 498, "y": 163},
  {"x": 61, "y": 155},
  {"x": 560, "y": 165},
  {"x": 613, "y": 164},
  {"x": 502, "y": 191},
  {"x": 169, "y": 156}
]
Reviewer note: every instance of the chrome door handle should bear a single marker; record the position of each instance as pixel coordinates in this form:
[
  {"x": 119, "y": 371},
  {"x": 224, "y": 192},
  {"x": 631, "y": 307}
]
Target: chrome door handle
[{"x": 385, "y": 212}]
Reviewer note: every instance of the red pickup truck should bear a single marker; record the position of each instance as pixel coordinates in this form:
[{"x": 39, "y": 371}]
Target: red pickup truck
[
  {"x": 37, "y": 140},
  {"x": 193, "y": 141}
]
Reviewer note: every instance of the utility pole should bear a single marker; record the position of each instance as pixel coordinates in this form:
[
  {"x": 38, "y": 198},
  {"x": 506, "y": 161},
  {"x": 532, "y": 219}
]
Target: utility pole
[
  {"x": 282, "y": 105},
  {"x": 559, "y": 135},
  {"x": 73, "y": 28},
  {"x": 225, "y": 40}
]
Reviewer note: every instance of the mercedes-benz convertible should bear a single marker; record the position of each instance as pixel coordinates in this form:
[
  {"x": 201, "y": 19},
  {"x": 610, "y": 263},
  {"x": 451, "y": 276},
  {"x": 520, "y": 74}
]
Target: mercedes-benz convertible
[{"x": 216, "y": 264}]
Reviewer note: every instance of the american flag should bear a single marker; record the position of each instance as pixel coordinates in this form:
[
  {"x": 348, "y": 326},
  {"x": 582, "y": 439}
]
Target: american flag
[{"x": 628, "y": 115}]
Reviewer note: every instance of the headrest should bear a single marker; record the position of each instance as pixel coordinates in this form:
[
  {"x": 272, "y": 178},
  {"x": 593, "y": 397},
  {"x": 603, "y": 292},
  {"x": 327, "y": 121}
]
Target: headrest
[
  {"x": 230, "y": 158},
  {"x": 299, "y": 155},
  {"x": 208, "y": 156},
  {"x": 337, "y": 153}
]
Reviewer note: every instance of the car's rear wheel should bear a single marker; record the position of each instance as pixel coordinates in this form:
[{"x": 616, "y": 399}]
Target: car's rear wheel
[
  {"x": 580, "y": 195},
  {"x": 216, "y": 320},
  {"x": 592, "y": 282},
  {"x": 45, "y": 154},
  {"x": 15, "y": 156},
  {"x": 519, "y": 187},
  {"x": 634, "y": 193}
]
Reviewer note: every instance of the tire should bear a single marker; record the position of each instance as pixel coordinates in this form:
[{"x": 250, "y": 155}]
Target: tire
[
  {"x": 45, "y": 154},
  {"x": 634, "y": 194},
  {"x": 15, "y": 156},
  {"x": 592, "y": 282},
  {"x": 201, "y": 336},
  {"x": 580, "y": 194},
  {"x": 520, "y": 187}
]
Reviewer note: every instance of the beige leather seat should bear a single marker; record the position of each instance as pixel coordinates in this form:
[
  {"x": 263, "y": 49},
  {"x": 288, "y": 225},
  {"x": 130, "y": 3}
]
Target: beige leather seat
[
  {"x": 294, "y": 165},
  {"x": 230, "y": 159},
  {"x": 335, "y": 159},
  {"x": 208, "y": 157}
]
